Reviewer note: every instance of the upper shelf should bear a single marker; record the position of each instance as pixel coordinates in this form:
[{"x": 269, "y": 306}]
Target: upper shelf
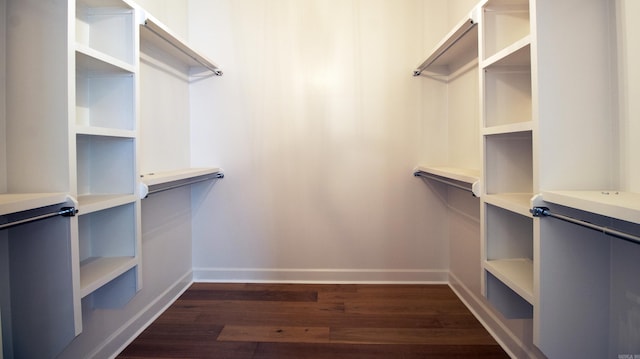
[
  {"x": 614, "y": 204},
  {"x": 162, "y": 181},
  {"x": 153, "y": 31},
  {"x": 458, "y": 48},
  {"x": 462, "y": 178}
]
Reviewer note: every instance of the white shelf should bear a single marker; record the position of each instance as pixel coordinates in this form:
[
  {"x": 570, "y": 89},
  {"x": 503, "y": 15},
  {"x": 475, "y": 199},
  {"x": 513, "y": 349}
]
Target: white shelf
[
  {"x": 104, "y": 131},
  {"x": 156, "y": 178},
  {"x": 18, "y": 202},
  {"x": 519, "y": 203},
  {"x": 98, "y": 271},
  {"x": 516, "y": 274},
  {"x": 162, "y": 181},
  {"x": 456, "y": 49},
  {"x": 97, "y": 202},
  {"x": 96, "y": 61},
  {"x": 526, "y": 126},
  {"x": 154, "y": 32},
  {"x": 610, "y": 203},
  {"x": 516, "y": 55},
  {"x": 459, "y": 174}
]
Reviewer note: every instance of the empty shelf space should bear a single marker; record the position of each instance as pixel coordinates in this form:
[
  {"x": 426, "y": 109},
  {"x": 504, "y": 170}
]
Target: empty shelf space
[
  {"x": 19, "y": 202},
  {"x": 96, "y": 61},
  {"x": 508, "y": 128},
  {"x": 615, "y": 204},
  {"x": 98, "y": 271},
  {"x": 96, "y": 202},
  {"x": 154, "y": 32},
  {"x": 456, "y": 49},
  {"x": 463, "y": 178},
  {"x": 516, "y": 274},
  {"x": 156, "y": 178},
  {"x": 519, "y": 203},
  {"x": 459, "y": 174},
  {"x": 516, "y": 55},
  {"x": 104, "y": 131},
  {"x": 163, "y": 181}
]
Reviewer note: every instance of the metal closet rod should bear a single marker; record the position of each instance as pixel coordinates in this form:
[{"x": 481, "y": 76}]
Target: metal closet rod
[
  {"x": 545, "y": 212},
  {"x": 442, "y": 180},
  {"x": 64, "y": 212},
  {"x": 186, "y": 183},
  {"x": 158, "y": 31}
]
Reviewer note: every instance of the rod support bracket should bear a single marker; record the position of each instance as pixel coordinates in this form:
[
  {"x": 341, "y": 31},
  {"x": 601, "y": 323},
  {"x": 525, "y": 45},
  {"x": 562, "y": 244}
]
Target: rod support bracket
[
  {"x": 539, "y": 211},
  {"x": 68, "y": 211}
]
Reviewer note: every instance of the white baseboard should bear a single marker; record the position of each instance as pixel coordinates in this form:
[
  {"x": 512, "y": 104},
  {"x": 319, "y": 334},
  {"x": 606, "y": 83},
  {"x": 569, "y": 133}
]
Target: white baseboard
[
  {"x": 118, "y": 341},
  {"x": 334, "y": 276}
]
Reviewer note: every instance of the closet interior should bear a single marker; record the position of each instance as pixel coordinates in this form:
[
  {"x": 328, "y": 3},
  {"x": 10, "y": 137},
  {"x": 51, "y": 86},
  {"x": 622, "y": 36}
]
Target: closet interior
[{"x": 542, "y": 216}]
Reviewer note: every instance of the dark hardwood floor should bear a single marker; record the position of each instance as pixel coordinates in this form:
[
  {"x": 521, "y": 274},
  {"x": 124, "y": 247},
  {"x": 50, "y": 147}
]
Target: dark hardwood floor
[{"x": 315, "y": 321}]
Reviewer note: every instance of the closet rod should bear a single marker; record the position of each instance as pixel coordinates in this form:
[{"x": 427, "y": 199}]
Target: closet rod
[
  {"x": 181, "y": 47},
  {"x": 64, "y": 212},
  {"x": 442, "y": 180},
  {"x": 186, "y": 183},
  {"x": 545, "y": 212},
  {"x": 459, "y": 34}
]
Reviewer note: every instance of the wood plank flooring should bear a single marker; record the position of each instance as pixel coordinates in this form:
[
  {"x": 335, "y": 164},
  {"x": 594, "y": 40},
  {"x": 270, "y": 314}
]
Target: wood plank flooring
[{"x": 269, "y": 321}]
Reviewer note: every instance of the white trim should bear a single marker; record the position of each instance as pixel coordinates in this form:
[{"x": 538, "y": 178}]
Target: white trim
[
  {"x": 334, "y": 276},
  {"x": 125, "y": 335},
  {"x": 503, "y": 335}
]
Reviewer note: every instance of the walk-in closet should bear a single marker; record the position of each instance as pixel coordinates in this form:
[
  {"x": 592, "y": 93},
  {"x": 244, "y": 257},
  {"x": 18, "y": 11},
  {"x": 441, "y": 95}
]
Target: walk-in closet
[{"x": 488, "y": 146}]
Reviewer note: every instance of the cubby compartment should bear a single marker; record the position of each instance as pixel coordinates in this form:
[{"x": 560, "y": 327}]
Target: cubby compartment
[
  {"x": 509, "y": 163},
  {"x": 105, "y": 94},
  {"x": 108, "y": 246},
  {"x": 509, "y": 251},
  {"x": 507, "y": 89},
  {"x": 505, "y": 300},
  {"x": 106, "y": 26},
  {"x": 105, "y": 165},
  {"x": 505, "y": 22}
]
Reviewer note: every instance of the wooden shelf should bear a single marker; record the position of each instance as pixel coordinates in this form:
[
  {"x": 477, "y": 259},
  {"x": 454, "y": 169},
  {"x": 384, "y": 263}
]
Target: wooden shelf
[
  {"x": 154, "y": 32},
  {"x": 468, "y": 179},
  {"x": 516, "y": 274},
  {"x": 459, "y": 174},
  {"x": 519, "y": 203},
  {"x": 615, "y": 204},
  {"x": 104, "y": 131},
  {"x": 98, "y": 271},
  {"x": 456, "y": 49},
  {"x": 89, "y": 203},
  {"x": 96, "y": 61},
  {"x": 161, "y": 181},
  {"x": 525, "y": 126},
  {"x": 516, "y": 55},
  {"x": 18, "y": 202}
]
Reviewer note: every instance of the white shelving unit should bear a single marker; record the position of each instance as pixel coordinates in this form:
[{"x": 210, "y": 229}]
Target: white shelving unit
[
  {"x": 78, "y": 83},
  {"x": 508, "y": 158},
  {"x": 106, "y": 123}
]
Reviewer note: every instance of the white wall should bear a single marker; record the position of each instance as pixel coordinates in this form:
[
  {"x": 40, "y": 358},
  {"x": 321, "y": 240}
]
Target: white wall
[
  {"x": 172, "y": 13},
  {"x": 317, "y": 122},
  {"x": 629, "y": 50}
]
